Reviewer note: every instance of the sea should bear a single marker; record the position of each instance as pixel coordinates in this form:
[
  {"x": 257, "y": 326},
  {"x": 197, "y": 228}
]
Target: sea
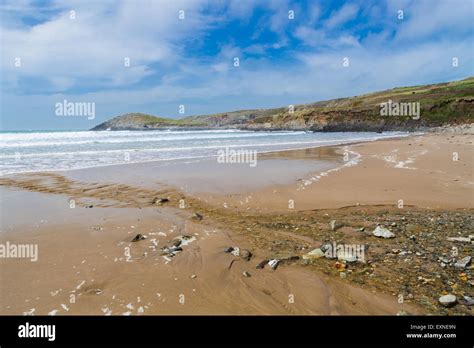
[{"x": 33, "y": 151}]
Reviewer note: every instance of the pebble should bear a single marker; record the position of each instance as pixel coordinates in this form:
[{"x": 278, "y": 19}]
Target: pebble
[
  {"x": 246, "y": 274},
  {"x": 382, "y": 232},
  {"x": 448, "y": 300},
  {"x": 314, "y": 254},
  {"x": 197, "y": 216},
  {"x": 463, "y": 263},
  {"x": 176, "y": 242},
  {"x": 459, "y": 239},
  {"x": 469, "y": 301},
  {"x": 273, "y": 263},
  {"x": 335, "y": 225},
  {"x": 160, "y": 200},
  {"x": 138, "y": 237},
  {"x": 235, "y": 251}
]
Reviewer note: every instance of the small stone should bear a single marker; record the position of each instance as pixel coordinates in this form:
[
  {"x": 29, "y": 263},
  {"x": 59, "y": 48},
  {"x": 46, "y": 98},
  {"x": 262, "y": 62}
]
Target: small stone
[
  {"x": 448, "y": 300},
  {"x": 335, "y": 225},
  {"x": 246, "y": 274},
  {"x": 228, "y": 250},
  {"x": 176, "y": 242},
  {"x": 160, "y": 200},
  {"x": 382, "y": 232},
  {"x": 343, "y": 275},
  {"x": 463, "y": 263},
  {"x": 235, "y": 251},
  {"x": 273, "y": 263},
  {"x": 362, "y": 229},
  {"x": 138, "y": 237},
  {"x": 193, "y": 276},
  {"x": 175, "y": 249},
  {"x": 468, "y": 301},
  {"x": 314, "y": 254},
  {"x": 197, "y": 216},
  {"x": 459, "y": 239}
]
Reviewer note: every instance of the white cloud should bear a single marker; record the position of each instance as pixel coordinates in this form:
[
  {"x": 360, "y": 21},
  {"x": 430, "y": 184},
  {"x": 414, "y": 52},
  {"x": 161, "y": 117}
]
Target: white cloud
[
  {"x": 424, "y": 18},
  {"x": 92, "y": 47},
  {"x": 320, "y": 38},
  {"x": 343, "y": 15},
  {"x": 317, "y": 76}
]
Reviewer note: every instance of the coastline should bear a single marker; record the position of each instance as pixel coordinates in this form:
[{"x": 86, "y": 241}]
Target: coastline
[{"x": 361, "y": 194}]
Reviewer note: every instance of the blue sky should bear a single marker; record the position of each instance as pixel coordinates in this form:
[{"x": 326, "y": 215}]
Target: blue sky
[{"x": 190, "y": 61}]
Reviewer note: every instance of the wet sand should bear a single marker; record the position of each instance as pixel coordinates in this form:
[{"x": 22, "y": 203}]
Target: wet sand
[{"x": 87, "y": 264}]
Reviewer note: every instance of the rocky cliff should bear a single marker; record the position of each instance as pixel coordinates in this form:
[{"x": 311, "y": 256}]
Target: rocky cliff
[{"x": 409, "y": 108}]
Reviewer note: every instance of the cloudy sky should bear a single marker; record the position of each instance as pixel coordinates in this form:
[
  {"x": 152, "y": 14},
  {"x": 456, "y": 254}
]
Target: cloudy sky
[{"x": 289, "y": 52}]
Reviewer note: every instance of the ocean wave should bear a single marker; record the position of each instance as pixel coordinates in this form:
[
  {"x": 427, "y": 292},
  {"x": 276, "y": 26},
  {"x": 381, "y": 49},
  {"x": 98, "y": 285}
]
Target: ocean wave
[
  {"x": 133, "y": 138},
  {"x": 190, "y": 148}
]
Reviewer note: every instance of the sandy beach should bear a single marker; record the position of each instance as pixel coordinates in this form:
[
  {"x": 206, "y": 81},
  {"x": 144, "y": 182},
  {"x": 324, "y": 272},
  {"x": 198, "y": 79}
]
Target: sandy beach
[{"x": 419, "y": 187}]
